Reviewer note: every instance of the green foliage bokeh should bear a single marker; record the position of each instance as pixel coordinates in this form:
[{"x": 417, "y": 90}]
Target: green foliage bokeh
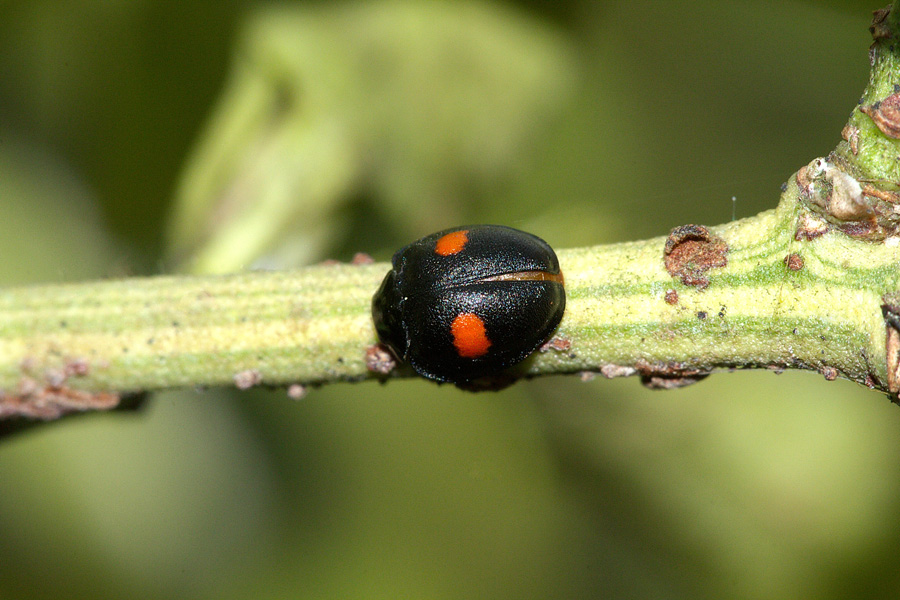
[{"x": 746, "y": 485}]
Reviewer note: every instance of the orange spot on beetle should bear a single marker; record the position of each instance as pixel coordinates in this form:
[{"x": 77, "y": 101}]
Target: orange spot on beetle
[
  {"x": 452, "y": 243},
  {"x": 469, "y": 335}
]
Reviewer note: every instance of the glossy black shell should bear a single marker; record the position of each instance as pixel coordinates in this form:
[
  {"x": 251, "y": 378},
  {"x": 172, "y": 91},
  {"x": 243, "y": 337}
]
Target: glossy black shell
[{"x": 419, "y": 298}]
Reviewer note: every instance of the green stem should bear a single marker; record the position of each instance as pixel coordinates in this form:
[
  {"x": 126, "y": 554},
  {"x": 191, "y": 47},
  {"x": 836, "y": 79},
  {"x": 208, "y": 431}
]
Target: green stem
[
  {"x": 142, "y": 334},
  {"x": 812, "y": 284},
  {"x": 313, "y": 325}
]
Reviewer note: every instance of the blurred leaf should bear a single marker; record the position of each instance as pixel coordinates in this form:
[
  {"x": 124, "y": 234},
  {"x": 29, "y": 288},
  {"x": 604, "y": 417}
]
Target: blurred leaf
[
  {"x": 116, "y": 90},
  {"x": 414, "y": 102}
]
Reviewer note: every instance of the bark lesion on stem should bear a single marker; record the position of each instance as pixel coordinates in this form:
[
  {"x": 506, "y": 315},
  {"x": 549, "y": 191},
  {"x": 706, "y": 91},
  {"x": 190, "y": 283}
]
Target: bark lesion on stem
[
  {"x": 49, "y": 396},
  {"x": 856, "y": 187}
]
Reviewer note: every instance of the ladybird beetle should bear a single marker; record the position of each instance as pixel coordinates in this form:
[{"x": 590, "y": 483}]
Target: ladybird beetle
[{"x": 469, "y": 302}]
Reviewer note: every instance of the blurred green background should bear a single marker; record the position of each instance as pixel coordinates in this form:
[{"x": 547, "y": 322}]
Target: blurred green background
[{"x": 136, "y": 136}]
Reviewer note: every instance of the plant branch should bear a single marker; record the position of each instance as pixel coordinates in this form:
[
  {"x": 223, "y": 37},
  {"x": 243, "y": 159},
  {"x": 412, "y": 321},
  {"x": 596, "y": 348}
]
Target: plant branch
[
  {"x": 809, "y": 285},
  {"x": 313, "y": 325}
]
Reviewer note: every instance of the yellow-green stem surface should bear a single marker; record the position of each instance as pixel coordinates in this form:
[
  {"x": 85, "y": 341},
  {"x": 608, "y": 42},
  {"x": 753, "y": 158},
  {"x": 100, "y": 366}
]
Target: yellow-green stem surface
[{"x": 313, "y": 325}]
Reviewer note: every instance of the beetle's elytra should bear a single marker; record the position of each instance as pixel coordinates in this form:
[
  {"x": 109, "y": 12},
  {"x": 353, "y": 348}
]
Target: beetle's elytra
[{"x": 469, "y": 302}]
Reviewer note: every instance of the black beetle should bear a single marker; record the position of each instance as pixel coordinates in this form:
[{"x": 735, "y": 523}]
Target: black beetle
[{"x": 469, "y": 302}]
